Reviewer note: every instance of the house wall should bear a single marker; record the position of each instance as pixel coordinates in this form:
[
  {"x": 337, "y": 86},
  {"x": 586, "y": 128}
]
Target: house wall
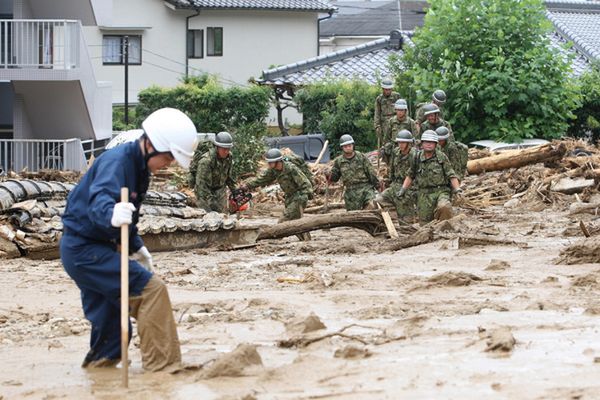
[
  {"x": 163, "y": 46},
  {"x": 255, "y": 40},
  {"x": 6, "y": 7},
  {"x": 329, "y": 45},
  {"x": 6, "y": 111}
]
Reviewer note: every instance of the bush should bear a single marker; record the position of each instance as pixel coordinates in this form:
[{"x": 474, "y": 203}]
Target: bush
[
  {"x": 587, "y": 122},
  {"x": 338, "y": 108},
  {"x": 493, "y": 58},
  {"x": 212, "y": 107},
  {"x": 249, "y": 148},
  {"x": 118, "y": 117}
]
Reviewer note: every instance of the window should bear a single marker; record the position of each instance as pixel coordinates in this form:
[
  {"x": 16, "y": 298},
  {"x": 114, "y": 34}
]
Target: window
[
  {"x": 195, "y": 43},
  {"x": 112, "y": 49},
  {"x": 214, "y": 41}
]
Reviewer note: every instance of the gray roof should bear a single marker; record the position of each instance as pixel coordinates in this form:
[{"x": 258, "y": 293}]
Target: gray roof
[
  {"x": 579, "y": 63},
  {"x": 577, "y": 21},
  {"x": 373, "y": 18},
  {"x": 280, "y": 5},
  {"x": 367, "y": 62}
]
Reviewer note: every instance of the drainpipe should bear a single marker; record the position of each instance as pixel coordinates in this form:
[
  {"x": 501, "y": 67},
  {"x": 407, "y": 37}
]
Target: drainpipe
[
  {"x": 319, "y": 30},
  {"x": 187, "y": 44}
]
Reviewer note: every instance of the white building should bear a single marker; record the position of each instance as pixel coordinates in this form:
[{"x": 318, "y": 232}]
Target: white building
[
  {"x": 48, "y": 88},
  {"x": 232, "y": 39}
]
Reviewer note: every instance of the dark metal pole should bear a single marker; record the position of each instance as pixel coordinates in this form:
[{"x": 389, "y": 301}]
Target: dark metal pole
[{"x": 126, "y": 58}]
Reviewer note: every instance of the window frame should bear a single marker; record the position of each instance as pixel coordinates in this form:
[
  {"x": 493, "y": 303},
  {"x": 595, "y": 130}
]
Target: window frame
[
  {"x": 213, "y": 29},
  {"x": 193, "y": 41},
  {"x": 122, "y": 61}
]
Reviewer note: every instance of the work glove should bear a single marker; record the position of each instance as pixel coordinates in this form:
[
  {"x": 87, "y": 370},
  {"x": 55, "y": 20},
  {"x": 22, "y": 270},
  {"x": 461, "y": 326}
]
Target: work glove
[
  {"x": 244, "y": 187},
  {"x": 457, "y": 192},
  {"x": 144, "y": 257},
  {"x": 401, "y": 193},
  {"x": 122, "y": 214}
]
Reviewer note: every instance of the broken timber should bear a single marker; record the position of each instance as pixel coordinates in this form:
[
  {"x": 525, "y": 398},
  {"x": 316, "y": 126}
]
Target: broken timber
[
  {"x": 369, "y": 221},
  {"x": 517, "y": 159}
]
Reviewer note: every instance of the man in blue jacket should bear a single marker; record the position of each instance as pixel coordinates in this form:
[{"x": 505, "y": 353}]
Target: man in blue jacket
[{"x": 89, "y": 247}]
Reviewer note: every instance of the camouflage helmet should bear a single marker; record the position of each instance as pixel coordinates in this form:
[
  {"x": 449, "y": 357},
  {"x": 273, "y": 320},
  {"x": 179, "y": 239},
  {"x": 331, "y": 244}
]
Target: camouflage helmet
[
  {"x": 346, "y": 139},
  {"x": 400, "y": 105},
  {"x": 404, "y": 136},
  {"x": 224, "y": 140},
  {"x": 273, "y": 155},
  {"x": 430, "y": 109},
  {"x": 387, "y": 83},
  {"x": 429, "y": 136},
  {"x": 439, "y": 96},
  {"x": 443, "y": 133}
]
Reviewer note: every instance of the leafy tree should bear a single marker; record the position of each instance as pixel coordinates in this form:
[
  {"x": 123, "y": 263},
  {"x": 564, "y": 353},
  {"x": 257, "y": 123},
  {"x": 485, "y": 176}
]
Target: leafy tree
[
  {"x": 337, "y": 108},
  {"x": 493, "y": 58},
  {"x": 587, "y": 123}
]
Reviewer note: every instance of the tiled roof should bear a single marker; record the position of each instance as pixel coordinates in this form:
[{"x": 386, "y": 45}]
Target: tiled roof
[
  {"x": 368, "y": 62},
  {"x": 373, "y": 18},
  {"x": 577, "y": 21},
  {"x": 283, "y": 5},
  {"x": 579, "y": 63}
]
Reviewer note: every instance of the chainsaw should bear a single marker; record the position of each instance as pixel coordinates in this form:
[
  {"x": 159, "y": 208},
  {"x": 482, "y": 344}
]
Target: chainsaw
[{"x": 238, "y": 200}]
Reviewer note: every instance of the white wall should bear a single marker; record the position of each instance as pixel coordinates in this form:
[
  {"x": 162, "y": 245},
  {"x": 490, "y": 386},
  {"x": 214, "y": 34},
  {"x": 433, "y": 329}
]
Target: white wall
[
  {"x": 255, "y": 40},
  {"x": 166, "y": 38},
  {"x": 330, "y": 45}
]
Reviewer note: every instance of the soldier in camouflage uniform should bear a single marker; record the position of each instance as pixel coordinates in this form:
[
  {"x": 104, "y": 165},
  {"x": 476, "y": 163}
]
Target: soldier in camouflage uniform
[
  {"x": 402, "y": 157},
  {"x": 401, "y": 121},
  {"x": 438, "y": 98},
  {"x": 436, "y": 181},
  {"x": 357, "y": 174},
  {"x": 294, "y": 184},
  {"x": 214, "y": 174},
  {"x": 457, "y": 153},
  {"x": 384, "y": 107},
  {"x": 434, "y": 121}
]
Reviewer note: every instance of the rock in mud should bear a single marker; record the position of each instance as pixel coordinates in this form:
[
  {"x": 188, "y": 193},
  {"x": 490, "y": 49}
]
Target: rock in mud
[
  {"x": 300, "y": 326},
  {"x": 452, "y": 278},
  {"x": 586, "y": 251},
  {"x": 235, "y": 363},
  {"x": 352, "y": 353},
  {"x": 497, "y": 265},
  {"x": 500, "y": 340}
]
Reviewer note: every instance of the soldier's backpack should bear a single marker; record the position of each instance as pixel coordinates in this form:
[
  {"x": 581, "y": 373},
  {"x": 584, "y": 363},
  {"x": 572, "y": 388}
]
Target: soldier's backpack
[
  {"x": 302, "y": 166},
  {"x": 201, "y": 150}
]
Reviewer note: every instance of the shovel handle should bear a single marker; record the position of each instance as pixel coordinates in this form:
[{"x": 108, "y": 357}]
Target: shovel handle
[{"x": 124, "y": 295}]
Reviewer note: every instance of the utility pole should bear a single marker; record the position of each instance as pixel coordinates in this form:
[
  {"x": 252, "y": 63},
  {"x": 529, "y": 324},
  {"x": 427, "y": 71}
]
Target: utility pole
[{"x": 126, "y": 59}]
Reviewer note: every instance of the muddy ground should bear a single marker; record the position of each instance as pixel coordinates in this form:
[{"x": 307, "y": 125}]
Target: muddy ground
[{"x": 428, "y": 322}]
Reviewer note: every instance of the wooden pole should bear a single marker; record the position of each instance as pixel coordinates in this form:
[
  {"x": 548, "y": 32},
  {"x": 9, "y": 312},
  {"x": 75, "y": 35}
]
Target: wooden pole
[{"x": 124, "y": 294}]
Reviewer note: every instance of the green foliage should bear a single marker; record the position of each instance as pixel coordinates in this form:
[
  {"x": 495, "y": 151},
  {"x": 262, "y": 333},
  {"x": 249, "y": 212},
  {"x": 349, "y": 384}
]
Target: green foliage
[
  {"x": 249, "y": 147},
  {"x": 118, "y": 117},
  {"x": 493, "y": 59},
  {"x": 214, "y": 108},
  {"x": 337, "y": 108},
  {"x": 588, "y": 114}
]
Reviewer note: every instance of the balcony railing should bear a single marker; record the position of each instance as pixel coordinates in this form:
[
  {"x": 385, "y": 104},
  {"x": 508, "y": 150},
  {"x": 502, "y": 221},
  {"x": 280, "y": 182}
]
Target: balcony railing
[{"x": 36, "y": 43}]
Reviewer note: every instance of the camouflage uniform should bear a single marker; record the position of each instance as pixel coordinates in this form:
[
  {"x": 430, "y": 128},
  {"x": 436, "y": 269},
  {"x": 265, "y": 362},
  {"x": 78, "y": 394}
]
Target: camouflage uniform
[
  {"x": 394, "y": 125},
  {"x": 420, "y": 114},
  {"x": 384, "y": 109},
  {"x": 213, "y": 175},
  {"x": 294, "y": 184},
  {"x": 399, "y": 167},
  {"x": 433, "y": 185},
  {"x": 426, "y": 125},
  {"x": 458, "y": 154},
  {"x": 359, "y": 178}
]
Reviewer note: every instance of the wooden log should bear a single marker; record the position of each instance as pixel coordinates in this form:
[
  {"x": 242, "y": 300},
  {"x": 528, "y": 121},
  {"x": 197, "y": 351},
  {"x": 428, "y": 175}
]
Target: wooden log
[
  {"x": 369, "y": 221},
  {"x": 324, "y": 208},
  {"x": 422, "y": 236},
  {"x": 516, "y": 159}
]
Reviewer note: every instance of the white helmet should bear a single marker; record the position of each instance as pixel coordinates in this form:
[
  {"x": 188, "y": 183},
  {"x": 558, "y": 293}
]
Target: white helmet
[
  {"x": 429, "y": 136},
  {"x": 124, "y": 137},
  {"x": 170, "y": 130}
]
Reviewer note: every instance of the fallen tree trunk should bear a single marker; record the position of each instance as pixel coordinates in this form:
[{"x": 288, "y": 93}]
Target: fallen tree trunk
[
  {"x": 547, "y": 152},
  {"x": 369, "y": 221},
  {"x": 324, "y": 208}
]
